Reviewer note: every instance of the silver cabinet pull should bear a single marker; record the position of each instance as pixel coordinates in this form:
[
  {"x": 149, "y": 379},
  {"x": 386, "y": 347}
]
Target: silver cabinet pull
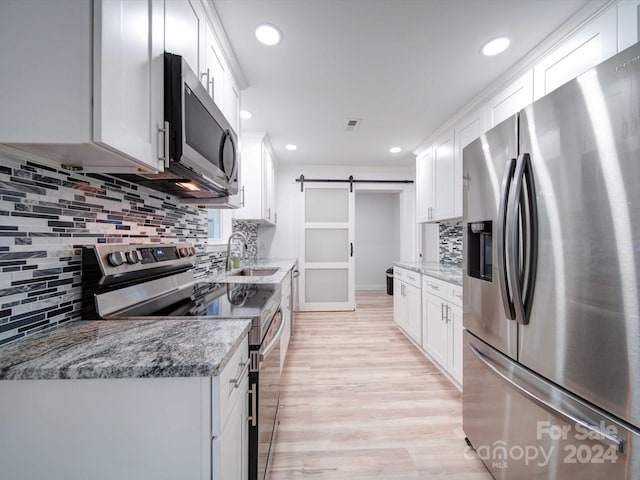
[
  {"x": 435, "y": 287},
  {"x": 165, "y": 153},
  {"x": 235, "y": 382},
  {"x": 442, "y": 314},
  {"x": 253, "y": 418},
  {"x": 242, "y": 196},
  {"x": 206, "y": 75}
]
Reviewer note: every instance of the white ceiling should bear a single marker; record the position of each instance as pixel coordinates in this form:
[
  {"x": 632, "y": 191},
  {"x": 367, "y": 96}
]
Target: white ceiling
[{"x": 402, "y": 66}]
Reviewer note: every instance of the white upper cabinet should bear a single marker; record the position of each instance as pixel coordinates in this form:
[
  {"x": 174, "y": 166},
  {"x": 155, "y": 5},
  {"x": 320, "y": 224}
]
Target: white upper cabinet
[
  {"x": 424, "y": 186},
  {"x": 466, "y": 131},
  {"x": 628, "y": 31},
  {"x": 444, "y": 175},
  {"x": 215, "y": 67},
  {"x": 257, "y": 170},
  {"x": 516, "y": 96},
  {"x": 189, "y": 33},
  {"x": 593, "y": 44},
  {"x": 106, "y": 75},
  {"x": 184, "y": 32}
]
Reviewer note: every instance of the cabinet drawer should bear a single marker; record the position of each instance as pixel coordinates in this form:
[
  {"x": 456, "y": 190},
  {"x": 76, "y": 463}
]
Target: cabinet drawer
[
  {"x": 407, "y": 276},
  {"x": 227, "y": 386},
  {"x": 437, "y": 287},
  {"x": 456, "y": 295}
]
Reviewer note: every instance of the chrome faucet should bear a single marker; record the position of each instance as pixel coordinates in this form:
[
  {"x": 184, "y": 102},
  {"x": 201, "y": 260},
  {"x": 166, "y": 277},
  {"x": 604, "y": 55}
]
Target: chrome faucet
[{"x": 242, "y": 237}]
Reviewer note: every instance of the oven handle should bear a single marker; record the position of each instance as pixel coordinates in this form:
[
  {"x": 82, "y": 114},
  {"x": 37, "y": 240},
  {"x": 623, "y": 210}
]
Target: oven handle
[{"x": 266, "y": 350}]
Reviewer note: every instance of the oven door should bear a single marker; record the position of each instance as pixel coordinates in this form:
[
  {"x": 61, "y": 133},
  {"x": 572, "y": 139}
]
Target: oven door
[{"x": 267, "y": 380}]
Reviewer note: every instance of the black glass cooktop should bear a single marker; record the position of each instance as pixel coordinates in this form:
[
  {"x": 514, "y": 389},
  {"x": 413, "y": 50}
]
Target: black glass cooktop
[{"x": 224, "y": 300}]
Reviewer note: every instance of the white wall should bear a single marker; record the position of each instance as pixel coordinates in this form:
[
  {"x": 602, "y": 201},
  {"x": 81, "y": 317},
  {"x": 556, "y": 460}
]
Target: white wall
[
  {"x": 377, "y": 237},
  {"x": 282, "y": 242}
]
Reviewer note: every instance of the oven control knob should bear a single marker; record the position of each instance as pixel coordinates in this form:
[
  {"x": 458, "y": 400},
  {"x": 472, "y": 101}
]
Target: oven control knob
[
  {"x": 115, "y": 259},
  {"x": 132, "y": 257},
  {"x": 184, "y": 252},
  {"x": 192, "y": 251}
]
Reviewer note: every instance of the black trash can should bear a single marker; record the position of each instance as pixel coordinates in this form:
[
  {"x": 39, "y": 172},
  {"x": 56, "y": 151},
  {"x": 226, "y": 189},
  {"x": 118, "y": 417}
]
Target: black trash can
[{"x": 390, "y": 281}]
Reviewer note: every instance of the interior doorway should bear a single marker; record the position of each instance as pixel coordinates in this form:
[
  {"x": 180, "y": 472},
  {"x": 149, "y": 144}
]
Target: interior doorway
[{"x": 377, "y": 236}]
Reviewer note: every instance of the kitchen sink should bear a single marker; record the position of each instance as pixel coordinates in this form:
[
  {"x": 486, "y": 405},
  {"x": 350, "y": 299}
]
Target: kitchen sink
[{"x": 256, "y": 272}]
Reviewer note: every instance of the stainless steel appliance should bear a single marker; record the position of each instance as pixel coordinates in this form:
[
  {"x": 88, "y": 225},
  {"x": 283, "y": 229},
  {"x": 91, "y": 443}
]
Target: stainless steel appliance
[
  {"x": 200, "y": 147},
  {"x": 147, "y": 281},
  {"x": 551, "y": 287}
]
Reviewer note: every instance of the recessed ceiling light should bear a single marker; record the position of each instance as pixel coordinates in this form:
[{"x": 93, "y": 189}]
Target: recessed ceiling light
[
  {"x": 291, "y": 147},
  {"x": 496, "y": 46},
  {"x": 395, "y": 149},
  {"x": 245, "y": 114},
  {"x": 268, "y": 34}
]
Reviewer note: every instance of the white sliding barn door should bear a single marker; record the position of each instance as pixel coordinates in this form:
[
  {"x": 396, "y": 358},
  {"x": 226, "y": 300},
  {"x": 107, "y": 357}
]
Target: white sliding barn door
[{"x": 327, "y": 280}]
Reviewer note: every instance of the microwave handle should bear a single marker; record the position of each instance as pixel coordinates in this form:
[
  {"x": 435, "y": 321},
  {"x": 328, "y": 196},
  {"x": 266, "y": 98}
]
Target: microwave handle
[{"x": 229, "y": 137}]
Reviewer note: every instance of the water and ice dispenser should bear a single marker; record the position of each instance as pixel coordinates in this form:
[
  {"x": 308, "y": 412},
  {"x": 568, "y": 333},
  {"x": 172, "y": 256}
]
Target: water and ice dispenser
[{"x": 479, "y": 257}]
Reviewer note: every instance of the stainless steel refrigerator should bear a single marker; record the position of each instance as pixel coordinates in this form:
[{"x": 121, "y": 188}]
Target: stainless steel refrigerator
[{"x": 551, "y": 283}]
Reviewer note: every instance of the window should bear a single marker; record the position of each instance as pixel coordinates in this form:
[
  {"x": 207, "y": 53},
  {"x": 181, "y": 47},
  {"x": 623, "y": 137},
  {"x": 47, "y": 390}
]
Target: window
[{"x": 218, "y": 225}]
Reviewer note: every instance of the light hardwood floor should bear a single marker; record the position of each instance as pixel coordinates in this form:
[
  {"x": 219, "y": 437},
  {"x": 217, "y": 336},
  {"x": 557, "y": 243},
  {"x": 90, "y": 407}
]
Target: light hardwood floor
[{"x": 360, "y": 402}]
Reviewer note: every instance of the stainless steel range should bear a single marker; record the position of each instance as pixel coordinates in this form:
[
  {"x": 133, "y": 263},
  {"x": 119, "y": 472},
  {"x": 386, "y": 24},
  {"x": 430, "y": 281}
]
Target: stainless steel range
[{"x": 156, "y": 281}]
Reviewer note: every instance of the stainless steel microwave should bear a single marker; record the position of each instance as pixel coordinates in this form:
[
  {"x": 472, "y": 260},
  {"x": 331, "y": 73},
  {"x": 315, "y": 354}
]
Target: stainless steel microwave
[{"x": 201, "y": 158}]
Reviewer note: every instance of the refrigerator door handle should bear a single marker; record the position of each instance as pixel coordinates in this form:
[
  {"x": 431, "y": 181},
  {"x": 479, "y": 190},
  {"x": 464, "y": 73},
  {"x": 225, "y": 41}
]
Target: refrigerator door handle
[
  {"x": 522, "y": 204},
  {"x": 596, "y": 433},
  {"x": 513, "y": 239},
  {"x": 502, "y": 238}
]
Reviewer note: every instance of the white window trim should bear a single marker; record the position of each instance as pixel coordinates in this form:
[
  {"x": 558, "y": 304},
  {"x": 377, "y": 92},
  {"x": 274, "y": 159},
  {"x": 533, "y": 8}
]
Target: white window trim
[{"x": 219, "y": 243}]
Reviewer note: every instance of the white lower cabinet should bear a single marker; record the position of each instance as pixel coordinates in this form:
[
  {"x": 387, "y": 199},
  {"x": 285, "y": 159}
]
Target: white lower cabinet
[
  {"x": 442, "y": 323},
  {"x": 166, "y": 428},
  {"x": 406, "y": 301},
  {"x": 436, "y": 329},
  {"x": 429, "y": 312},
  {"x": 454, "y": 359},
  {"x": 230, "y": 450}
]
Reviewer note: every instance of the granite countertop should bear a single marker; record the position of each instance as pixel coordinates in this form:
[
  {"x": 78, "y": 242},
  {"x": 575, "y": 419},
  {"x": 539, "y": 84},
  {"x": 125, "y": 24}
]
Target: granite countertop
[
  {"x": 194, "y": 347},
  {"x": 442, "y": 271},
  {"x": 284, "y": 266}
]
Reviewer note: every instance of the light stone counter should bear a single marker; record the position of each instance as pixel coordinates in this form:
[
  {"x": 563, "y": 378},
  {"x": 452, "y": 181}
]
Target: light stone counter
[
  {"x": 194, "y": 347},
  {"x": 441, "y": 271}
]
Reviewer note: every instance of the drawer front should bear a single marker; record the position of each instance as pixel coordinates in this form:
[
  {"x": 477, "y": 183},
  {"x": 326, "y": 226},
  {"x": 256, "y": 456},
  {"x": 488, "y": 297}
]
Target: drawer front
[
  {"x": 437, "y": 287},
  {"x": 456, "y": 295},
  {"x": 408, "y": 276},
  {"x": 227, "y": 386}
]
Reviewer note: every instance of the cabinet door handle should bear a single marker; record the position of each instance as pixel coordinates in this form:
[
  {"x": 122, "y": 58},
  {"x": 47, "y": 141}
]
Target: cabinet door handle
[
  {"x": 351, "y": 244},
  {"x": 442, "y": 314},
  {"x": 206, "y": 75},
  {"x": 435, "y": 287},
  {"x": 269, "y": 213},
  {"x": 254, "y": 413},
  {"x": 165, "y": 141},
  {"x": 235, "y": 382},
  {"x": 242, "y": 196}
]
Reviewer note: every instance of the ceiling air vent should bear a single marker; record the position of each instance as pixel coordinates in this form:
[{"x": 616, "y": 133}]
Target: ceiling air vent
[{"x": 352, "y": 124}]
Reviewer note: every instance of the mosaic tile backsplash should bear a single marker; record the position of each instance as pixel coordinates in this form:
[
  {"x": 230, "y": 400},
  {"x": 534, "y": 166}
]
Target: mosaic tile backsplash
[
  {"x": 451, "y": 243},
  {"x": 47, "y": 214}
]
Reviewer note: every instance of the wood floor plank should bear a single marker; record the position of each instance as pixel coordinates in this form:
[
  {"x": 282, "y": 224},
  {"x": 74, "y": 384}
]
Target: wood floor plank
[{"x": 360, "y": 402}]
